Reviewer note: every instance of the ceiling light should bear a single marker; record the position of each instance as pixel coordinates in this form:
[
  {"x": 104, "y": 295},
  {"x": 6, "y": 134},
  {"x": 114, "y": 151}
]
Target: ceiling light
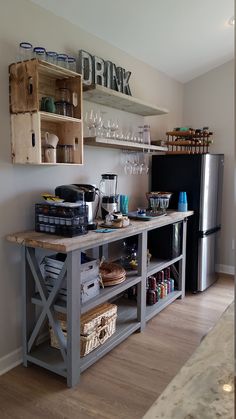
[
  {"x": 231, "y": 21},
  {"x": 227, "y": 387}
]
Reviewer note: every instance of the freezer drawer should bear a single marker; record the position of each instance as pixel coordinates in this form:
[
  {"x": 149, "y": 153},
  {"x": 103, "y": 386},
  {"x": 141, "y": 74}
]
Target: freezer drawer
[{"x": 206, "y": 261}]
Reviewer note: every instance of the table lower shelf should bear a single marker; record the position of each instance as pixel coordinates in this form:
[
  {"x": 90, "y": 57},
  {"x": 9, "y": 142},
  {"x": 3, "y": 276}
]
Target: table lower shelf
[
  {"x": 105, "y": 294},
  {"x": 151, "y": 311},
  {"x": 157, "y": 265},
  {"x": 127, "y": 323},
  {"x": 50, "y": 358}
]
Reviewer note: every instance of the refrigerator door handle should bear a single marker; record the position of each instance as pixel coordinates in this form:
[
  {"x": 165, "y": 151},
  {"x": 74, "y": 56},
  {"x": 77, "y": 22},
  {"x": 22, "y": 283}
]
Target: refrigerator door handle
[{"x": 208, "y": 232}]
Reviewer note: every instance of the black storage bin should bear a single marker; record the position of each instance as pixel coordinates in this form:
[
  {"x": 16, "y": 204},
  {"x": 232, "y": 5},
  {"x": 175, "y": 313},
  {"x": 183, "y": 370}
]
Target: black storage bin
[
  {"x": 166, "y": 242},
  {"x": 65, "y": 219}
]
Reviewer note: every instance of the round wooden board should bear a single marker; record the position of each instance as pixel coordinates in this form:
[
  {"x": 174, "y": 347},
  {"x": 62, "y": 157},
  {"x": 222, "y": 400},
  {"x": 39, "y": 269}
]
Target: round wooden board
[{"x": 115, "y": 282}]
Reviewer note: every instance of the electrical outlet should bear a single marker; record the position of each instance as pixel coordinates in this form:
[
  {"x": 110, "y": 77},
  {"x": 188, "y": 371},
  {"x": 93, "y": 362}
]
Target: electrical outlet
[{"x": 233, "y": 246}]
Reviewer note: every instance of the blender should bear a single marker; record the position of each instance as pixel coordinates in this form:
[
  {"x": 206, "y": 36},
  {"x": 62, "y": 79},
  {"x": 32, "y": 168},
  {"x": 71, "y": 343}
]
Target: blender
[{"x": 108, "y": 191}]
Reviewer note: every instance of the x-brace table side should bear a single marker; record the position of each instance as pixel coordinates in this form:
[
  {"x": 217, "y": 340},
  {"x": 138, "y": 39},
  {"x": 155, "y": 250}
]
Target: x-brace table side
[
  {"x": 69, "y": 347},
  {"x": 48, "y": 301}
]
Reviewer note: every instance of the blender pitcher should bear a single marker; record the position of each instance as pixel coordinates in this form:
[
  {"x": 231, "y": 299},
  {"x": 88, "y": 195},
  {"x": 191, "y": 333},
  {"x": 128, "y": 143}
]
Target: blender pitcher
[{"x": 108, "y": 191}]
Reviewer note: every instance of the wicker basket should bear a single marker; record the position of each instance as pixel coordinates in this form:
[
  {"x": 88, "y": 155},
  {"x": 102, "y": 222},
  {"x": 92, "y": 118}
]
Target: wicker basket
[{"x": 97, "y": 325}]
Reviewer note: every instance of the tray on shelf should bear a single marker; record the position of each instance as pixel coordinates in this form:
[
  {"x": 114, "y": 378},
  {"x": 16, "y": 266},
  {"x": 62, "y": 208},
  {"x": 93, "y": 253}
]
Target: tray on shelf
[
  {"x": 104, "y": 225},
  {"x": 145, "y": 217}
]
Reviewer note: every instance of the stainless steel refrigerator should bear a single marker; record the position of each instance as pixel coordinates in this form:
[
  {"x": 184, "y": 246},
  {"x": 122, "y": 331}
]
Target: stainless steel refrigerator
[{"x": 201, "y": 176}]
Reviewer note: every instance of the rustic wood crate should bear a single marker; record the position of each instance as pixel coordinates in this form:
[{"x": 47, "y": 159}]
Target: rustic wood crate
[
  {"x": 29, "y": 82},
  {"x": 33, "y": 79},
  {"x": 97, "y": 325}
]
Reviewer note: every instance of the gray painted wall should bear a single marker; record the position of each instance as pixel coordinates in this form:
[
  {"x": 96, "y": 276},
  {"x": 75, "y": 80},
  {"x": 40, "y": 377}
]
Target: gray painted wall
[
  {"x": 20, "y": 187},
  {"x": 209, "y": 101}
]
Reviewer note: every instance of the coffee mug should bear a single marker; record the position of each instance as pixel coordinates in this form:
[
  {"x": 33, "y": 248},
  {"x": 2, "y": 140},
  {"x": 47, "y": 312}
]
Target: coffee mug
[
  {"x": 48, "y": 104},
  {"x": 51, "y": 139},
  {"x": 50, "y": 155}
]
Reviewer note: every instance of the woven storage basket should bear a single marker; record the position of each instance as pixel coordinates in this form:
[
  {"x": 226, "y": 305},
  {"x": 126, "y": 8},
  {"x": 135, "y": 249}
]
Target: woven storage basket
[{"x": 97, "y": 325}]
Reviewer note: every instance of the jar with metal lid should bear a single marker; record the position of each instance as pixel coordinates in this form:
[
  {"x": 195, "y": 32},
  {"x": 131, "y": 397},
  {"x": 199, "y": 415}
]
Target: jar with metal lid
[{"x": 65, "y": 153}]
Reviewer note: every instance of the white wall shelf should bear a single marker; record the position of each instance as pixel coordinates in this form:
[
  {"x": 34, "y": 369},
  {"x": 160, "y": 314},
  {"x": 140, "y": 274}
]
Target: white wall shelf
[
  {"x": 121, "y": 144},
  {"x": 108, "y": 97}
]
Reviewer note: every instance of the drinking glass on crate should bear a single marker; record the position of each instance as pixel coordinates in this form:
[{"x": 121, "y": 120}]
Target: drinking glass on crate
[
  {"x": 72, "y": 63},
  {"x": 40, "y": 53},
  {"x": 62, "y": 60},
  {"x": 25, "y": 51},
  {"x": 51, "y": 57}
]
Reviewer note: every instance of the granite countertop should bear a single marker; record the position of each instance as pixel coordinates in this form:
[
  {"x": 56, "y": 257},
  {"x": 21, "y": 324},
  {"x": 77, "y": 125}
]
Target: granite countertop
[{"x": 203, "y": 389}]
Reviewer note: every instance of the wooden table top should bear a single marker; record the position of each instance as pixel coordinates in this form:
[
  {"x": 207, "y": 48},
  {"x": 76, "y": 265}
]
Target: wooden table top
[{"x": 92, "y": 239}]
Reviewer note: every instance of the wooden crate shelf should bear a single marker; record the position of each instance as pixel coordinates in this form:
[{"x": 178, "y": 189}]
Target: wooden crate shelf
[{"x": 29, "y": 82}]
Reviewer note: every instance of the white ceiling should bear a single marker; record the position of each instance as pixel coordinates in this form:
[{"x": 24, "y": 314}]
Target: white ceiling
[{"x": 182, "y": 38}]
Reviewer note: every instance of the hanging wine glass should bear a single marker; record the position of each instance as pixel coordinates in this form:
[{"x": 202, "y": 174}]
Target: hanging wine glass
[
  {"x": 90, "y": 122},
  {"x": 98, "y": 125},
  {"x": 128, "y": 165}
]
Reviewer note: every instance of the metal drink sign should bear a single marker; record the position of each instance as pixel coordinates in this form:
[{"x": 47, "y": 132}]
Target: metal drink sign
[{"x": 98, "y": 71}]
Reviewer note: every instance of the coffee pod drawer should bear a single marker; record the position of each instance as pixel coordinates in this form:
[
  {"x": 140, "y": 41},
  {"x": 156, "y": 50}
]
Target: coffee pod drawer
[{"x": 62, "y": 220}]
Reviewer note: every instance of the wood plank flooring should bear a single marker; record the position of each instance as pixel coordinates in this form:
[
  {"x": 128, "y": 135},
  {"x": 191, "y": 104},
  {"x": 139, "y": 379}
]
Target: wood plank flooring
[{"x": 129, "y": 379}]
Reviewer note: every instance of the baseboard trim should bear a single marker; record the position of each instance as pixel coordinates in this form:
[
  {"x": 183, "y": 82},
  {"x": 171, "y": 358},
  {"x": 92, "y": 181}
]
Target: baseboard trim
[
  {"x": 225, "y": 269},
  {"x": 10, "y": 361}
]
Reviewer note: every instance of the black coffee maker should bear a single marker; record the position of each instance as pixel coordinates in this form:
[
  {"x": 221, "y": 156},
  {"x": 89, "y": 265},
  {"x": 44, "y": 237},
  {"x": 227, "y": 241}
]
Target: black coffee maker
[{"x": 82, "y": 192}]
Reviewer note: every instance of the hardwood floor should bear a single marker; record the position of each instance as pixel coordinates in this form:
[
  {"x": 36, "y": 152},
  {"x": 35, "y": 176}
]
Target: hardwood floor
[{"x": 129, "y": 379}]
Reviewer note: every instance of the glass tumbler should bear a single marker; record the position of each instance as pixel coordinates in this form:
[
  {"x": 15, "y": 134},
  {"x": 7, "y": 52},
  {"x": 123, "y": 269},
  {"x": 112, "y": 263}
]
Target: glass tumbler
[
  {"x": 40, "y": 53},
  {"x": 25, "y": 51},
  {"x": 51, "y": 57},
  {"x": 72, "y": 63},
  {"x": 62, "y": 60}
]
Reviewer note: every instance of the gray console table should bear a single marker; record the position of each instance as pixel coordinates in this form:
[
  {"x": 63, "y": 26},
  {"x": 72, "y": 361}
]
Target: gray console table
[{"x": 40, "y": 307}]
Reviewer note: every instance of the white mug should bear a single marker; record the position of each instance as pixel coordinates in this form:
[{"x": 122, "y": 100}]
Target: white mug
[
  {"x": 50, "y": 155},
  {"x": 51, "y": 139}
]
